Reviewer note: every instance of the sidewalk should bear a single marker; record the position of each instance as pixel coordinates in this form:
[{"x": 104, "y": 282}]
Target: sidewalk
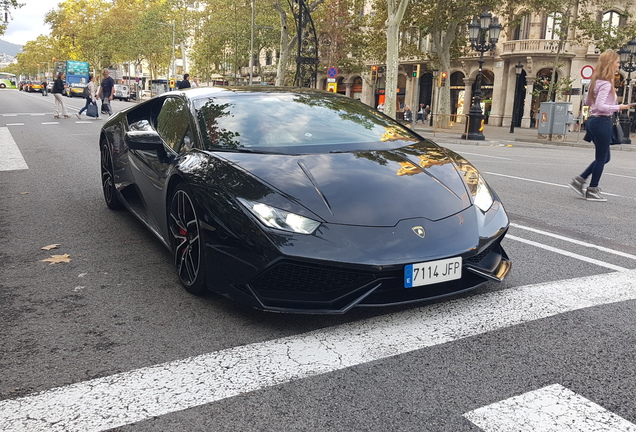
[{"x": 496, "y": 135}]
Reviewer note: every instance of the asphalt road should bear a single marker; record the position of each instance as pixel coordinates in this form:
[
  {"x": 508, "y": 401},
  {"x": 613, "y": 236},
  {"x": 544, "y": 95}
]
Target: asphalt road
[{"x": 110, "y": 341}]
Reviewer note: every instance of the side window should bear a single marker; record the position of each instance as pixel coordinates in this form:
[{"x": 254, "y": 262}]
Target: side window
[{"x": 173, "y": 124}]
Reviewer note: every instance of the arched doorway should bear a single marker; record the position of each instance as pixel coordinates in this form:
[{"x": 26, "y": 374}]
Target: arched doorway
[
  {"x": 356, "y": 89},
  {"x": 426, "y": 89},
  {"x": 540, "y": 92},
  {"x": 487, "y": 85},
  {"x": 457, "y": 92},
  {"x": 342, "y": 87},
  {"x": 519, "y": 99}
]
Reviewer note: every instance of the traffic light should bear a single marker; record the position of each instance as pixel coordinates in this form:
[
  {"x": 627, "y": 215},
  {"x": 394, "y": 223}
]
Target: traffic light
[
  {"x": 374, "y": 73},
  {"x": 416, "y": 71},
  {"x": 441, "y": 79}
]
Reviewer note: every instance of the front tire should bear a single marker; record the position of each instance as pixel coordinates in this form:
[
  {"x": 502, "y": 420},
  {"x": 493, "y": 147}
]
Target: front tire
[
  {"x": 108, "y": 178},
  {"x": 186, "y": 242}
]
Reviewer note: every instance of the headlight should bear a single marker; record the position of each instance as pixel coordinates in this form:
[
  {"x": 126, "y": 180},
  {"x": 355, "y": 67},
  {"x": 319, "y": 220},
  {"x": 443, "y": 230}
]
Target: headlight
[
  {"x": 481, "y": 195},
  {"x": 280, "y": 219}
]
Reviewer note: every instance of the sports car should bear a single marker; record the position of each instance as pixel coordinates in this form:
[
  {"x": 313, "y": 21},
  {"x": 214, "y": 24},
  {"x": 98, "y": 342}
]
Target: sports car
[{"x": 302, "y": 201}]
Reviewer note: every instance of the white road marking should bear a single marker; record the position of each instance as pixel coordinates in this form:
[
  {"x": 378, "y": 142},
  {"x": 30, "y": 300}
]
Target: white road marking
[
  {"x": 552, "y": 408},
  {"x": 619, "y": 175},
  {"x": 577, "y": 242},
  {"x": 52, "y": 122},
  {"x": 568, "y": 253},
  {"x": 10, "y": 156},
  {"x": 485, "y": 156},
  {"x": 14, "y": 124},
  {"x": 546, "y": 183},
  {"x": 140, "y": 394}
]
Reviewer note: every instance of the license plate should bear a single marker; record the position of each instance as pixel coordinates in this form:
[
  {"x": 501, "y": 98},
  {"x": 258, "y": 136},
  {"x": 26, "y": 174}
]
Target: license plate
[{"x": 432, "y": 272}]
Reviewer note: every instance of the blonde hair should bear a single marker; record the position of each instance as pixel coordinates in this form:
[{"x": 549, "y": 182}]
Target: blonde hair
[{"x": 605, "y": 71}]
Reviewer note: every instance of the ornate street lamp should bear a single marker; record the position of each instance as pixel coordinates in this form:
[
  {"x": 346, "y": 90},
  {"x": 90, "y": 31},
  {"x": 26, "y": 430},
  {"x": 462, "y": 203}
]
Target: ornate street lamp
[
  {"x": 628, "y": 64},
  {"x": 307, "y": 55},
  {"x": 483, "y": 35},
  {"x": 515, "y": 104}
]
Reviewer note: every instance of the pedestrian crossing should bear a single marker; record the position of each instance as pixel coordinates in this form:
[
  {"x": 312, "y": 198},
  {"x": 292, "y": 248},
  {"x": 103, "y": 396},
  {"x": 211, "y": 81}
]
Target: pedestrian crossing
[
  {"x": 12, "y": 158},
  {"x": 552, "y": 408},
  {"x": 137, "y": 395}
]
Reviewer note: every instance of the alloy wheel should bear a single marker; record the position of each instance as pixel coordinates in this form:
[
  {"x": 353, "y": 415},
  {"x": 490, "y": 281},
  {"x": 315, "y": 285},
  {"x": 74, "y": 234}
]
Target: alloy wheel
[{"x": 186, "y": 241}]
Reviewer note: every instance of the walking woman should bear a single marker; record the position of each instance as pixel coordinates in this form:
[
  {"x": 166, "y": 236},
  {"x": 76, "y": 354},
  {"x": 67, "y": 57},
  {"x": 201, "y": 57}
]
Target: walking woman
[
  {"x": 601, "y": 99},
  {"x": 58, "y": 89},
  {"x": 91, "y": 99}
]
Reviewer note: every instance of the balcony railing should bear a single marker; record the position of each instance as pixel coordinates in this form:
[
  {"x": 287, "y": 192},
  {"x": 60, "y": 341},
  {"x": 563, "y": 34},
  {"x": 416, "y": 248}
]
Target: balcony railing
[{"x": 540, "y": 46}]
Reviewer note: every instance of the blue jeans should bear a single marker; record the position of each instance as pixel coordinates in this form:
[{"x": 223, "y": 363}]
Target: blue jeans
[
  {"x": 88, "y": 102},
  {"x": 600, "y": 130}
]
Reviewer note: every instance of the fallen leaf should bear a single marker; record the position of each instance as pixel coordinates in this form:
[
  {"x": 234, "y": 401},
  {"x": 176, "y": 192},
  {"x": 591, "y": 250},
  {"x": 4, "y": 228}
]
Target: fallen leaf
[
  {"x": 24, "y": 193},
  {"x": 51, "y": 246},
  {"x": 58, "y": 259}
]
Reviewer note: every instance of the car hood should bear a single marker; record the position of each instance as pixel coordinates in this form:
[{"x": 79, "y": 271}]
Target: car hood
[{"x": 370, "y": 188}]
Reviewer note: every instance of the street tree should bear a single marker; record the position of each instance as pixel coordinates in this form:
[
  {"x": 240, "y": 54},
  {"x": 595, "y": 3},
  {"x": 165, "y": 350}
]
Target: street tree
[
  {"x": 82, "y": 31},
  {"x": 5, "y": 9},
  {"x": 395, "y": 12}
]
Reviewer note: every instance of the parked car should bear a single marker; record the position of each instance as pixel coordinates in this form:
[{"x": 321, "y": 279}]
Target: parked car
[
  {"x": 74, "y": 90},
  {"x": 22, "y": 85},
  {"x": 122, "y": 92},
  {"x": 296, "y": 200}
]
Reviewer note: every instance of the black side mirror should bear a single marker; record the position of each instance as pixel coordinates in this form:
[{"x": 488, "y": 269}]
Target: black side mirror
[
  {"x": 143, "y": 140},
  {"x": 148, "y": 140}
]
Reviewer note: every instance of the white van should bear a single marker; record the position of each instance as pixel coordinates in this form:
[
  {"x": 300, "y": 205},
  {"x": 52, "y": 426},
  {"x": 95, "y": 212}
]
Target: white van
[{"x": 122, "y": 92}]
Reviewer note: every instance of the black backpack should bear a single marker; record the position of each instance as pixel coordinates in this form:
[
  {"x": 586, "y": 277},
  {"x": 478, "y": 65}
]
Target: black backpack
[{"x": 86, "y": 93}]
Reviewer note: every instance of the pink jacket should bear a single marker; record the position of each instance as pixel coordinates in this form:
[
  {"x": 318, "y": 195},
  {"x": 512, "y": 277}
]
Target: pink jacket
[{"x": 605, "y": 103}]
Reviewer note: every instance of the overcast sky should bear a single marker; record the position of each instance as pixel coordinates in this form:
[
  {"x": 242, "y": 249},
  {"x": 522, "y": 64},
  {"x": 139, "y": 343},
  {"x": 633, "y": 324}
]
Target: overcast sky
[{"x": 27, "y": 22}]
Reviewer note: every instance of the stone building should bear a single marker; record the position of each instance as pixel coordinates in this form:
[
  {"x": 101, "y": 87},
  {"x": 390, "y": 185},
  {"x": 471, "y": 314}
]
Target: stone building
[{"x": 505, "y": 98}]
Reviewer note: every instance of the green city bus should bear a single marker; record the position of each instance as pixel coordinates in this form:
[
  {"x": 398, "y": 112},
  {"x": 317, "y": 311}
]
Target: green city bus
[{"x": 8, "y": 80}]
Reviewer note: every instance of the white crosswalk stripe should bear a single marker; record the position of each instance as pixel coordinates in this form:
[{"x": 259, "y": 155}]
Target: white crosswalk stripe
[
  {"x": 140, "y": 394},
  {"x": 552, "y": 408},
  {"x": 10, "y": 156}
]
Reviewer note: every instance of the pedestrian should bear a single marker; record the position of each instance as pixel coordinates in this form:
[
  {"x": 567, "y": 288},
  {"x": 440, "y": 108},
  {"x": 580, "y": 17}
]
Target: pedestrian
[
  {"x": 185, "y": 82},
  {"x": 91, "y": 98},
  {"x": 106, "y": 92},
  {"x": 195, "y": 81},
  {"x": 601, "y": 99},
  {"x": 45, "y": 88},
  {"x": 420, "y": 113},
  {"x": 408, "y": 114},
  {"x": 427, "y": 111},
  {"x": 58, "y": 89}
]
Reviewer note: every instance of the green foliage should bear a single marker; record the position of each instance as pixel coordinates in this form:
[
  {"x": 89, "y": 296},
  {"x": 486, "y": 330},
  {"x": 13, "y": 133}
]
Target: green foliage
[{"x": 7, "y": 5}]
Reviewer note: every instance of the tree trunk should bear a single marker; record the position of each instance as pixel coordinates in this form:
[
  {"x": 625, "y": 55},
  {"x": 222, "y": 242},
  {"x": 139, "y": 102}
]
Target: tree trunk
[
  {"x": 395, "y": 13},
  {"x": 283, "y": 58}
]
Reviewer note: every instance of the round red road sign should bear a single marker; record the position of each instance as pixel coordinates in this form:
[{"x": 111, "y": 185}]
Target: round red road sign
[{"x": 587, "y": 71}]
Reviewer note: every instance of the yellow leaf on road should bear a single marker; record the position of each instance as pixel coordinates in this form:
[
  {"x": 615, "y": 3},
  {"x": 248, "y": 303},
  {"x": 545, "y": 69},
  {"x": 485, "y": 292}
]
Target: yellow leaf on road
[
  {"x": 51, "y": 246},
  {"x": 58, "y": 259}
]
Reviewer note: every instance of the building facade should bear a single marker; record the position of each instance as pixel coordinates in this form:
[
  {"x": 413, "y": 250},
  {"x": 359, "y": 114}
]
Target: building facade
[{"x": 515, "y": 76}]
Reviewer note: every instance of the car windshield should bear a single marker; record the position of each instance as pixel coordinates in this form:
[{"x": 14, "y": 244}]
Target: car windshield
[{"x": 289, "y": 122}]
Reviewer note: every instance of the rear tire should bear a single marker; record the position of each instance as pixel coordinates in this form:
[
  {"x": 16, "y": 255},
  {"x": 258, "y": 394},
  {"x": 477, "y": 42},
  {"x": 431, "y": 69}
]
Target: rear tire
[
  {"x": 108, "y": 178},
  {"x": 186, "y": 242}
]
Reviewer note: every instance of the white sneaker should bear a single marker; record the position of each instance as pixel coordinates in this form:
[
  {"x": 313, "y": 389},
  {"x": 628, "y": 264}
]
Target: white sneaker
[{"x": 78, "y": 116}]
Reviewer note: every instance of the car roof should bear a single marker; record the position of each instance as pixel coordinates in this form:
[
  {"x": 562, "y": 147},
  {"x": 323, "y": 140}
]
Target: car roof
[{"x": 205, "y": 92}]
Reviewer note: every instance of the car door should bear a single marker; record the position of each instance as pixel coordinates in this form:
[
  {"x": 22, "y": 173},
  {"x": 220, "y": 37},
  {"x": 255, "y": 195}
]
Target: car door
[{"x": 152, "y": 169}]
